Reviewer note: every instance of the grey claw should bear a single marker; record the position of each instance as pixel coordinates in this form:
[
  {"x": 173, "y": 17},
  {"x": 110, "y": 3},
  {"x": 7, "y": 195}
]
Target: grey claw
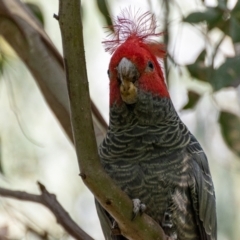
[
  {"x": 138, "y": 208},
  {"x": 115, "y": 231}
]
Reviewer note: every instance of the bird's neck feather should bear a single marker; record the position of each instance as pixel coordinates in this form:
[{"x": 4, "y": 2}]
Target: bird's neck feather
[
  {"x": 150, "y": 109},
  {"x": 152, "y": 117}
]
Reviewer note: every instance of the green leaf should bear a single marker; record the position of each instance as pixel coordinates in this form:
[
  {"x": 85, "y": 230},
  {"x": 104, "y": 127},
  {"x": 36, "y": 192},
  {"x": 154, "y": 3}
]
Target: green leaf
[
  {"x": 234, "y": 30},
  {"x": 37, "y": 12},
  {"x": 217, "y": 17},
  {"x": 102, "y": 6},
  {"x": 202, "y": 56},
  {"x": 230, "y": 127},
  {"x": 3, "y": 61},
  {"x": 236, "y": 11},
  {"x": 193, "y": 98},
  {"x": 211, "y": 16},
  {"x": 198, "y": 69},
  {"x": 230, "y": 23},
  {"x": 227, "y": 75},
  {"x": 222, "y": 4}
]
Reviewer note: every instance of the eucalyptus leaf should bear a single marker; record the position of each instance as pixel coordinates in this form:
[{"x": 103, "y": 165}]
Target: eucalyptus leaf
[
  {"x": 236, "y": 11},
  {"x": 234, "y": 30},
  {"x": 230, "y": 127},
  {"x": 198, "y": 69},
  {"x": 102, "y": 6},
  {"x": 222, "y": 4},
  {"x": 37, "y": 12},
  {"x": 193, "y": 98},
  {"x": 228, "y": 74},
  {"x": 211, "y": 16},
  {"x": 3, "y": 61}
]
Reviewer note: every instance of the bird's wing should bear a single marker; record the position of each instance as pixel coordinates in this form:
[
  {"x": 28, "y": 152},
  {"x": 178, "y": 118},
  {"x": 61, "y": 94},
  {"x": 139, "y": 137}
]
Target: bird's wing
[{"x": 202, "y": 192}]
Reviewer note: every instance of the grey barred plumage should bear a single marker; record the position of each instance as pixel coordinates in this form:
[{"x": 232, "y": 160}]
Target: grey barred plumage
[
  {"x": 152, "y": 156},
  {"x": 148, "y": 151}
]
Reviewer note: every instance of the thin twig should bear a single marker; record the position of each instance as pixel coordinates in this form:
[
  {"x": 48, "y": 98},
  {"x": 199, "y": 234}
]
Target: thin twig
[
  {"x": 50, "y": 201},
  {"x": 166, "y": 36}
]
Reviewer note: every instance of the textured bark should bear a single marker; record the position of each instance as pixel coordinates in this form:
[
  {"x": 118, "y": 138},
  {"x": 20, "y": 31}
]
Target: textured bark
[
  {"x": 26, "y": 36},
  {"x": 50, "y": 201},
  {"x": 23, "y": 32},
  {"x": 108, "y": 194}
]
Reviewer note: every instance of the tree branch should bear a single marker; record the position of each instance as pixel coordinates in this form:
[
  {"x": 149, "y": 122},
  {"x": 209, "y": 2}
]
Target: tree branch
[
  {"x": 108, "y": 194},
  {"x": 50, "y": 201},
  {"x": 26, "y": 36},
  {"x": 166, "y": 36}
]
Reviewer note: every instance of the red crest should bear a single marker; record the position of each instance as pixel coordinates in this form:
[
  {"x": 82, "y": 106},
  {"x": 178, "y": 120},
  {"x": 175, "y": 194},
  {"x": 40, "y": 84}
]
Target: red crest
[{"x": 135, "y": 25}]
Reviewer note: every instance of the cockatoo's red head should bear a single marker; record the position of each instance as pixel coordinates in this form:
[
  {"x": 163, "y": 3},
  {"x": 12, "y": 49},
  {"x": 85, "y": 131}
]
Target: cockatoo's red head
[{"x": 134, "y": 64}]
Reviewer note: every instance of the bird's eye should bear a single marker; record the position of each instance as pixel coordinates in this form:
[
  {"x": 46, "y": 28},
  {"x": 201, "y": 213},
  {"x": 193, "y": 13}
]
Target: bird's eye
[
  {"x": 134, "y": 79},
  {"x": 119, "y": 80},
  {"x": 150, "y": 65},
  {"x": 109, "y": 74}
]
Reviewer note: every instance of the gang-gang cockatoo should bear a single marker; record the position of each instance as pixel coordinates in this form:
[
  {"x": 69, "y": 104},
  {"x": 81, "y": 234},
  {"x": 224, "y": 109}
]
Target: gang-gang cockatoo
[{"x": 148, "y": 151}]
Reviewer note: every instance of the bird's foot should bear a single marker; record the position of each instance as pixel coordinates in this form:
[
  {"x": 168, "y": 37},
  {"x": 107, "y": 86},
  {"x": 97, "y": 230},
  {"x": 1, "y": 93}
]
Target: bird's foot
[
  {"x": 138, "y": 207},
  {"x": 115, "y": 230}
]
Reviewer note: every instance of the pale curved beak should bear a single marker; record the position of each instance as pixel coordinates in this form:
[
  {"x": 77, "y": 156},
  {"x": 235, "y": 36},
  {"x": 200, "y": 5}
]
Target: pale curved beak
[
  {"x": 128, "y": 75},
  {"x": 127, "y": 70}
]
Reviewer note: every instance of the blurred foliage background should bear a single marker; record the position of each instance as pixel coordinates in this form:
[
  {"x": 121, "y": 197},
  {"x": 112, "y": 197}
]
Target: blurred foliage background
[{"x": 202, "y": 69}]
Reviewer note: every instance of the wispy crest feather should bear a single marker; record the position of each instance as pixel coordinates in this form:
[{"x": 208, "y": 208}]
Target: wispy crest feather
[{"x": 129, "y": 24}]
